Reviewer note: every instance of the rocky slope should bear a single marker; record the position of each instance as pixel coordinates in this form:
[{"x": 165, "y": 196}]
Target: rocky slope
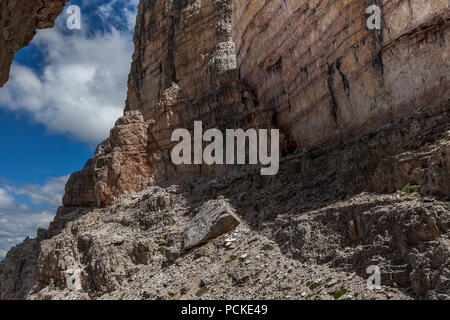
[
  {"x": 19, "y": 21},
  {"x": 307, "y": 238},
  {"x": 370, "y": 110}
]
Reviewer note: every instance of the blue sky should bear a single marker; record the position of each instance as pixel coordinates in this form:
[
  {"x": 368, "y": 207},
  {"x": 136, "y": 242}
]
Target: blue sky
[{"x": 65, "y": 91}]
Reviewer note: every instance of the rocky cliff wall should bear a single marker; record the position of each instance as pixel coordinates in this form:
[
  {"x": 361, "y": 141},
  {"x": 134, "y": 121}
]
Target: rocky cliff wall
[
  {"x": 312, "y": 69},
  {"x": 19, "y": 21},
  {"x": 327, "y": 77}
]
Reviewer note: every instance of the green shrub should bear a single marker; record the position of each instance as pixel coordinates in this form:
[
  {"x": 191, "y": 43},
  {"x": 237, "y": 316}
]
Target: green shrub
[
  {"x": 267, "y": 247},
  {"x": 410, "y": 189},
  {"x": 202, "y": 291},
  {"x": 313, "y": 286},
  {"x": 339, "y": 293}
]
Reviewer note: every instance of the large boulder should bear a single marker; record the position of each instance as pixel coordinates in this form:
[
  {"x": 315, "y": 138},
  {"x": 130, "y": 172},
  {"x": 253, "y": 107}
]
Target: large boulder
[{"x": 214, "y": 218}]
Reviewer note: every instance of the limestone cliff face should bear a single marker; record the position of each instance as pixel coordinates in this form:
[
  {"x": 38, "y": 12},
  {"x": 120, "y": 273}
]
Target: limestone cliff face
[
  {"x": 19, "y": 21},
  {"x": 315, "y": 64},
  {"x": 327, "y": 76},
  {"x": 312, "y": 69}
]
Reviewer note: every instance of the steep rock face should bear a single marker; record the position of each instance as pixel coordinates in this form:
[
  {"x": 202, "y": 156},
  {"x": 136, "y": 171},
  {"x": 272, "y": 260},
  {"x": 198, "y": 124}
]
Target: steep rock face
[
  {"x": 312, "y": 69},
  {"x": 18, "y": 23},
  {"x": 120, "y": 166},
  {"x": 138, "y": 151},
  {"x": 326, "y": 76},
  {"x": 187, "y": 42},
  {"x": 18, "y": 275}
]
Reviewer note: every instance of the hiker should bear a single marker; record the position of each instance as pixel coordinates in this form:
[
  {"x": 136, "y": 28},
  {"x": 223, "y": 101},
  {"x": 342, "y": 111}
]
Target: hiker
[
  {"x": 291, "y": 147},
  {"x": 103, "y": 202}
]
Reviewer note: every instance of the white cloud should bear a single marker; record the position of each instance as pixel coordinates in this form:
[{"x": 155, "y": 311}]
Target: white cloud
[
  {"x": 82, "y": 87},
  {"x": 18, "y": 220},
  {"x": 106, "y": 10},
  {"x": 130, "y": 15},
  {"x": 79, "y": 90},
  {"x": 50, "y": 193},
  {"x": 127, "y": 16},
  {"x": 6, "y": 200}
]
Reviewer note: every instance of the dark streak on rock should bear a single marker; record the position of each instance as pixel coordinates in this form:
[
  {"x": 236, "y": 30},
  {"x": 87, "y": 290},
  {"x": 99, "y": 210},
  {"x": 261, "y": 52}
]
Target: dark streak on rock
[
  {"x": 333, "y": 102},
  {"x": 344, "y": 78}
]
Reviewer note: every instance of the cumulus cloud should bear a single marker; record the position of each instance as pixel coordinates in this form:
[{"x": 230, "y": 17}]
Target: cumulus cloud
[
  {"x": 5, "y": 199},
  {"x": 127, "y": 13},
  {"x": 49, "y": 193},
  {"x": 19, "y": 220},
  {"x": 81, "y": 91},
  {"x": 78, "y": 90},
  {"x": 106, "y": 10},
  {"x": 130, "y": 14},
  {"x": 82, "y": 86}
]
